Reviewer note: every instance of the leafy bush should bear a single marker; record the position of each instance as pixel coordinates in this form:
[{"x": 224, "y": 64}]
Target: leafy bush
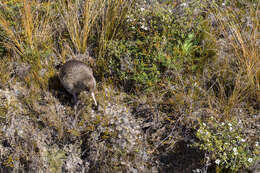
[
  {"x": 158, "y": 41},
  {"x": 227, "y": 144}
]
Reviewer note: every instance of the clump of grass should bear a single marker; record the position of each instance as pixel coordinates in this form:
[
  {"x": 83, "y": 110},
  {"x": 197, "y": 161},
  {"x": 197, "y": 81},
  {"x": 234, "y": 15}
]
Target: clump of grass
[
  {"x": 79, "y": 18},
  {"x": 14, "y": 40},
  {"x": 242, "y": 37},
  {"x": 243, "y": 64},
  {"x": 28, "y": 30},
  {"x": 112, "y": 20}
]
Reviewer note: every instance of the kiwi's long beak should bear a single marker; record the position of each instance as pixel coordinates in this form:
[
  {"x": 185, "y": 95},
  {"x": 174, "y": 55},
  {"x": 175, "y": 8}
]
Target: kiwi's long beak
[{"x": 93, "y": 96}]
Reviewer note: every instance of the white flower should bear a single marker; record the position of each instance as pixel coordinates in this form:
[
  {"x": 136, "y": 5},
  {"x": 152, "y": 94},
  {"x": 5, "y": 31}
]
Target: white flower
[
  {"x": 256, "y": 144},
  {"x": 20, "y": 132},
  {"x": 230, "y": 128},
  {"x": 229, "y": 124},
  {"x": 222, "y": 124},
  {"x": 250, "y": 160},
  {"x": 142, "y": 9},
  {"x": 144, "y": 27},
  {"x": 235, "y": 151},
  {"x": 129, "y": 19},
  {"x": 196, "y": 170},
  {"x": 243, "y": 140},
  {"x": 184, "y": 4},
  {"x": 217, "y": 161},
  {"x": 204, "y": 124}
]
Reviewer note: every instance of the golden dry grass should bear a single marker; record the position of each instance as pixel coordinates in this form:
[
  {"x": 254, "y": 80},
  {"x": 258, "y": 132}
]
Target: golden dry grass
[
  {"x": 79, "y": 20},
  {"x": 36, "y": 28}
]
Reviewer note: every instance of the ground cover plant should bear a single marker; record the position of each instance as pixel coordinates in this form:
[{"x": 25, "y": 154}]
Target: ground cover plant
[{"x": 177, "y": 85}]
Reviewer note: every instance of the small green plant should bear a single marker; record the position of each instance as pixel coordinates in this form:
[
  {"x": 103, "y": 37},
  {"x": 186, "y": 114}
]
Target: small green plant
[
  {"x": 157, "y": 41},
  {"x": 227, "y": 144}
]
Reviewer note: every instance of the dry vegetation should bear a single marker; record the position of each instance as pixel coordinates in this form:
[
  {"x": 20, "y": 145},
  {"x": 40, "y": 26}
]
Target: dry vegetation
[{"x": 178, "y": 86}]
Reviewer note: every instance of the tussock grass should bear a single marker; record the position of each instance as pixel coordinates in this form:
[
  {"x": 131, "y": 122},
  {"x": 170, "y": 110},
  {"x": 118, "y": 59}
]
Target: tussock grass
[
  {"x": 30, "y": 30},
  {"x": 13, "y": 42},
  {"x": 79, "y": 17},
  {"x": 243, "y": 39},
  {"x": 112, "y": 19},
  {"x": 28, "y": 35}
]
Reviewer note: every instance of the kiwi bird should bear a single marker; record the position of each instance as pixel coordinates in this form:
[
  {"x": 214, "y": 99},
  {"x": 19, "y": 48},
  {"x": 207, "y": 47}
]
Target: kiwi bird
[{"x": 76, "y": 76}]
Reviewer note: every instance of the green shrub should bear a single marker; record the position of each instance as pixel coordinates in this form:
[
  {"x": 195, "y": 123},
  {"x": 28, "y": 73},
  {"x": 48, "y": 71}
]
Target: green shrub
[
  {"x": 157, "y": 41},
  {"x": 227, "y": 143}
]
